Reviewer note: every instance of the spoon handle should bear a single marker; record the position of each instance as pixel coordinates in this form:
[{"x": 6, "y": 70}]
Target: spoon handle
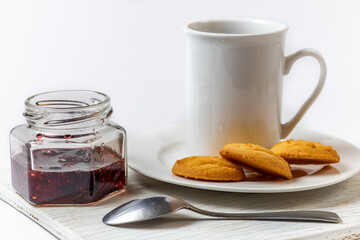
[{"x": 314, "y": 216}]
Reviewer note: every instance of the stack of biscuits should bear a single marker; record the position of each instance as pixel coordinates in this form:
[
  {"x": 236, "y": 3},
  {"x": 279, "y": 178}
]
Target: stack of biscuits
[{"x": 274, "y": 162}]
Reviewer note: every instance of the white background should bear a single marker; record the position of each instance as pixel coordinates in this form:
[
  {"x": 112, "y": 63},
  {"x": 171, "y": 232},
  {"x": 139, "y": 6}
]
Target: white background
[{"x": 133, "y": 50}]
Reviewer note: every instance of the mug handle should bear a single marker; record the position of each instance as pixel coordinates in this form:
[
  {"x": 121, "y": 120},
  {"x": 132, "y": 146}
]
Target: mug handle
[{"x": 289, "y": 61}]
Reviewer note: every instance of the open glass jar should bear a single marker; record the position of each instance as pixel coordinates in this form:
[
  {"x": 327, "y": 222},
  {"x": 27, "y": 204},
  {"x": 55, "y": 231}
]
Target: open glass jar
[{"x": 69, "y": 152}]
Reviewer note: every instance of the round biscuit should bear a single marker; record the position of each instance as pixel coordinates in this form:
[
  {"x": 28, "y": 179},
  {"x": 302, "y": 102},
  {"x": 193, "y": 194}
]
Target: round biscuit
[
  {"x": 258, "y": 158},
  {"x": 210, "y": 168},
  {"x": 306, "y": 152}
]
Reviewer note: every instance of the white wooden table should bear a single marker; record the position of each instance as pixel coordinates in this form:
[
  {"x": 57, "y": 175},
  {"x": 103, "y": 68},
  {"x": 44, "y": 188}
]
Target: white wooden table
[{"x": 85, "y": 222}]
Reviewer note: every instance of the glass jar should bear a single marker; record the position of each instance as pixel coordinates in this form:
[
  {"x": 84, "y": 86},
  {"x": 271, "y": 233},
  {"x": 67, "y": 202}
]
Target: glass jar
[{"x": 69, "y": 152}]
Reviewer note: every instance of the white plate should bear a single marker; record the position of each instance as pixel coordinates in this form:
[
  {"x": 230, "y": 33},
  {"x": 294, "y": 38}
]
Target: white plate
[{"x": 153, "y": 154}]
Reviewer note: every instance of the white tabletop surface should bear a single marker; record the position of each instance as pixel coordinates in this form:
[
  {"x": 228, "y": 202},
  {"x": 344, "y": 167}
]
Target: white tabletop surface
[{"x": 134, "y": 52}]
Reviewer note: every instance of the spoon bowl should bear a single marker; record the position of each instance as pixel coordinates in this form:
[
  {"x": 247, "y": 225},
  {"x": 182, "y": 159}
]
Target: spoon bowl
[
  {"x": 158, "y": 206},
  {"x": 143, "y": 209}
]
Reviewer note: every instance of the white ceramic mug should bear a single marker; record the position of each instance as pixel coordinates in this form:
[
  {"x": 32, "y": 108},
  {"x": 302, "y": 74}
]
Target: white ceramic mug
[{"x": 234, "y": 72}]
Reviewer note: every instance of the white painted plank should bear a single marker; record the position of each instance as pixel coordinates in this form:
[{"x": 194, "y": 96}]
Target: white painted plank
[{"x": 85, "y": 222}]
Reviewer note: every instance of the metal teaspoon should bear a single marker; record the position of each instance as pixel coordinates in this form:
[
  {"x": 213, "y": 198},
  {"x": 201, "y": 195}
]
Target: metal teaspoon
[{"x": 158, "y": 206}]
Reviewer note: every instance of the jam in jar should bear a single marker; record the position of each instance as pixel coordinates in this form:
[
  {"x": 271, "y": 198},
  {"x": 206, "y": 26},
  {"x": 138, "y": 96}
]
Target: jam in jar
[{"x": 69, "y": 152}]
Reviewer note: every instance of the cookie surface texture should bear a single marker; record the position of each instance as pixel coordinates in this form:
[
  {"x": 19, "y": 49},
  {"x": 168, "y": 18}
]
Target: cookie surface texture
[
  {"x": 258, "y": 158},
  {"x": 306, "y": 152},
  {"x": 210, "y": 168}
]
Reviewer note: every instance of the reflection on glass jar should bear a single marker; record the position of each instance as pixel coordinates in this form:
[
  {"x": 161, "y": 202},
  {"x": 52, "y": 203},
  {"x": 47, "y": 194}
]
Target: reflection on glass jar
[{"x": 69, "y": 152}]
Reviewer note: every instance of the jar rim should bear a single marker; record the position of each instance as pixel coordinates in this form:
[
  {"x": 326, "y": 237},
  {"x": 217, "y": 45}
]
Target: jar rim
[
  {"x": 67, "y": 109},
  {"x": 80, "y": 105}
]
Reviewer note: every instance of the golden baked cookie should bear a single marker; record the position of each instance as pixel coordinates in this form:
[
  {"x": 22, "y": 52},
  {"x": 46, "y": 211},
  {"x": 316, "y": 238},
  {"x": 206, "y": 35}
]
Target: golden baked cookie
[
  {"x": 211, "y": 168},
  {"x": 305, "y": 152},
  {"x": 259, "y": 159}
]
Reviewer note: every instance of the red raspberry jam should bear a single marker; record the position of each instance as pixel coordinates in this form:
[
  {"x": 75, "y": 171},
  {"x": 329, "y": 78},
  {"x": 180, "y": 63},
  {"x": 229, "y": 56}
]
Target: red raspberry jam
[{"x": 47, "y": 176}]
